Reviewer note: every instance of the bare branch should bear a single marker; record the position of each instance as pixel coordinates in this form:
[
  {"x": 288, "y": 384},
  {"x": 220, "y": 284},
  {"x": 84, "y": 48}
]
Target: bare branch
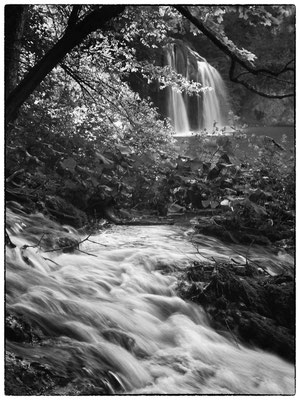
[
  {"x": 75, "y": 245},
  {"x": 89, "y": 254},
  {"x": 76, "y": 78},
  {"x": 253, "y": 89}
]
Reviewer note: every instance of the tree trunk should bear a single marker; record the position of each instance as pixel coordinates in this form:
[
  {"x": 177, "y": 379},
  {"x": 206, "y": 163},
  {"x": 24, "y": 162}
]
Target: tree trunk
[
  {"x": 15, "y": 16},
  {"x": 74, "y": 35}
]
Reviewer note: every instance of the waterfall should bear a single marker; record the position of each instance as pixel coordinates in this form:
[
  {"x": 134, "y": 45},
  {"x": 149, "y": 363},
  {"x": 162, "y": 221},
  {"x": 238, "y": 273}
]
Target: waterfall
[
  {"x": 195, "y": 113},
  {"x": 212, "y": 110},
  {"x": 176, "y": 104}
]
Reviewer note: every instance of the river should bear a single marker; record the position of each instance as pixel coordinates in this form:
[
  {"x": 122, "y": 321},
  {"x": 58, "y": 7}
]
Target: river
[{"x": 114, "y": 309}]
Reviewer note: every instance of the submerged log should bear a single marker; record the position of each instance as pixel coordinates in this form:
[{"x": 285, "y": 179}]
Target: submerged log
[{"x": 109, "y": 213}]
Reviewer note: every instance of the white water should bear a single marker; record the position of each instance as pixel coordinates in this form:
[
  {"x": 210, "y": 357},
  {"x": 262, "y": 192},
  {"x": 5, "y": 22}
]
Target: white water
[
  {"x": 117, "y": 310},
  {"x": 212, "y": 99},
  {"x": 176, "y": 103},
  {"x": 210, "y": 109}
]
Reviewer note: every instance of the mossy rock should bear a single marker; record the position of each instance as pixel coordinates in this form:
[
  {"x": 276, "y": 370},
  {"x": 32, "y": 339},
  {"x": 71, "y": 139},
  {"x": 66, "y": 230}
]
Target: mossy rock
[
  {"x": 24, "y": 378},
  {"x": 257, "y": 309},
  {"x": 31, "y": 378},
  {"x": 65, "y": 212},
  {"x": 267, "y": 334}
]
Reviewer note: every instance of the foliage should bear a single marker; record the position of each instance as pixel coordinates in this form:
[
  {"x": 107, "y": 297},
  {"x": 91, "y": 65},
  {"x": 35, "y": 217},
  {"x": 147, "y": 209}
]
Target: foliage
[
  {"x": 250, "y": 179},
  {"x": 88, "y": 144},
  {"x": 86, "y": 136}
]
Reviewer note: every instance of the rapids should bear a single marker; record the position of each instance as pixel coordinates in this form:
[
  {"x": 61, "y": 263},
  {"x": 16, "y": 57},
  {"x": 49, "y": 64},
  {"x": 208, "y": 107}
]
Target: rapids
[{"x": 115, "y": 309}]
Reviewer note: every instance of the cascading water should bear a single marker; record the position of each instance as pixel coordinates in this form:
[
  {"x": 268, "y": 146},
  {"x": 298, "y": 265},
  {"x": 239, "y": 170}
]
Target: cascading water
[
  {"x": 110, "y": 317},
  {"x": 212, "y": 111},
  {"x": 198, "y": 112},
  {"x": 176, "y": 104}
]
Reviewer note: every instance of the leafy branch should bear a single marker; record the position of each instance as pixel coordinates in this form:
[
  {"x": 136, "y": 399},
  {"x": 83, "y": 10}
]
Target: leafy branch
[{"x": 232, "y": 52}]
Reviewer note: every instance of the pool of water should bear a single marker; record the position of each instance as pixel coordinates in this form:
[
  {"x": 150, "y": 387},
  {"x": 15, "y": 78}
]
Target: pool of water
[{"x": 275, "y": 132}]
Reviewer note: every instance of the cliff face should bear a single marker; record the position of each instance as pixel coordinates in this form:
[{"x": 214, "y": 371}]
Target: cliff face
[{"x": 256, "y": 110}]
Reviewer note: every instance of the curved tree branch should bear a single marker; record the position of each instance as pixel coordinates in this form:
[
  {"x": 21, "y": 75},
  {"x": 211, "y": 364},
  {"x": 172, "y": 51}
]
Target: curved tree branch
[
  {"x": 266, "y": 76},
  {"x": 252, "y": 88},
  {"x": 74, "y": 35},
  {"x": 82, "y": 82},
  {"x": 235, "y": 59}
]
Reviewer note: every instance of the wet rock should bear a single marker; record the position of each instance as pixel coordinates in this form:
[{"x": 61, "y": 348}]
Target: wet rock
[
  {"x": 25, "y": 378},
  {"x": 267, "y": 334},
  {"x": 17, "y": 329},
  {"x": 31, "y": 378},
  {"x": 124, "y": 340},
  {"x": 67, "y": 244},
  {"x": 65, "y": 212},
  {"x": 119, "y": 337},
  {"x": 256, "y": 308},
  {"x": 26, "y": 375}
]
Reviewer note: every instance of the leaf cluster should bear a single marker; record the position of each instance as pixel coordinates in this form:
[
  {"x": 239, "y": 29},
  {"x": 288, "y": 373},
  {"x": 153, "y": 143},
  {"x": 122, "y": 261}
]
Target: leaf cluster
[{"x": 249, "y": 180}]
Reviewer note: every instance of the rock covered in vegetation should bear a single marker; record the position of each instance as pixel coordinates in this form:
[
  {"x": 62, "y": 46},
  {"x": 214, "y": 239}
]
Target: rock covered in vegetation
[
  {"x": 65, "y": 212},
  {"x": 255, "y": 308},
  {"x": 35, "y": 378},
  {"x": 26, "y": 375}
]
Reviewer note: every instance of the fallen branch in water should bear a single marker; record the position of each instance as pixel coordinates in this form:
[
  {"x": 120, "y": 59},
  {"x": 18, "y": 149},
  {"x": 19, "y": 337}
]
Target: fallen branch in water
[
  {"x": 26, "y": 246},
  {"x": 85, "y": 252},
  {"x": 69, "y": 246},
  {"x": 60, "y": 214},
  {"x": 230, "y": 331},
  {"x": 49, "y": 259},
  {"x": 101, "y": 244}
]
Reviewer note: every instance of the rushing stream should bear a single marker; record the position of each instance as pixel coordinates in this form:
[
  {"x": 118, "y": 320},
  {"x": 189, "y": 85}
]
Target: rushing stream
[{"x": 115, "y": 309}]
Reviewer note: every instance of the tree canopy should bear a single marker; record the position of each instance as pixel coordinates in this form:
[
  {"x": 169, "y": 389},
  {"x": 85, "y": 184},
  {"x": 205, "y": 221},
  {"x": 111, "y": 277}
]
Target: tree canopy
[{"x": 66, "y": 31}]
